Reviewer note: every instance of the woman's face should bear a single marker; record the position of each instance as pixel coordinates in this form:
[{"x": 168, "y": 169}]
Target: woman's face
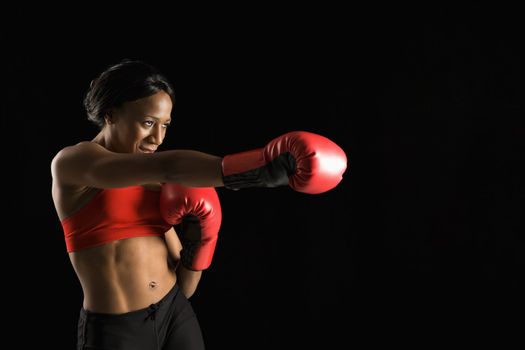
[{"x": 140, "y": 126}]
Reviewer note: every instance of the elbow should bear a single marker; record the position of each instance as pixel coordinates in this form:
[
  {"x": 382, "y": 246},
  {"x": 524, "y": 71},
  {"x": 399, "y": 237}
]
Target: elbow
[
  {"x": 188, "y": 288},
  {"x": 188, "y": 280},
  {"x": 188, "y": 291}
]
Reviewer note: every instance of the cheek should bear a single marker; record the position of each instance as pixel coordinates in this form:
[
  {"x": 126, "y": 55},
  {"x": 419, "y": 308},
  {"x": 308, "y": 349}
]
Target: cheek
[
  {"x": 134, "y": 136},
  {"x": 140, "y": 133}
]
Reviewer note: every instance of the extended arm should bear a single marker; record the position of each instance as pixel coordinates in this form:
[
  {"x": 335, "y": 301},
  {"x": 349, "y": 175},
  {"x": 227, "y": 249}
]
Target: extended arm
[
  {"x": 307, "y": 162},
  {"x": 89, "y": 164}
]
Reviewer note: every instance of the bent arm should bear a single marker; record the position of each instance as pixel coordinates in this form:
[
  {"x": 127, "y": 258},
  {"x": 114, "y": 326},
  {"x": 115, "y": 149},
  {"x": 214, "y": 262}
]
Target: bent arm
[
  {"x": 187, "y": 280},
  {"x": 89, "y": 164}
]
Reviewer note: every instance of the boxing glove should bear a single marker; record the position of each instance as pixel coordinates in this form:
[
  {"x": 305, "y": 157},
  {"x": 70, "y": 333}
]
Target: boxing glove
[
  {"x": 308, "y": 162},
  {"x": 198, "y": 211}
]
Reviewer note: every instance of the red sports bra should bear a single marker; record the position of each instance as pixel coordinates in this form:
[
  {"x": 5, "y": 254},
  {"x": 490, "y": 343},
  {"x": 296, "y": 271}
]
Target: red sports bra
[{"x": 114, "y": 214}]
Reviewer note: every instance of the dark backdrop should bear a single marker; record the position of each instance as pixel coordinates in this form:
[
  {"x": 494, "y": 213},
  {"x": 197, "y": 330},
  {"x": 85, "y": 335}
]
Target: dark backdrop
[{"x": 422, "y": 237}]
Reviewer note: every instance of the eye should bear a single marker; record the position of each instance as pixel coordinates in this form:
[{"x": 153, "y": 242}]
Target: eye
[
  {"x": 149, "y": 122},
  {"x": 166, "y": 126}
]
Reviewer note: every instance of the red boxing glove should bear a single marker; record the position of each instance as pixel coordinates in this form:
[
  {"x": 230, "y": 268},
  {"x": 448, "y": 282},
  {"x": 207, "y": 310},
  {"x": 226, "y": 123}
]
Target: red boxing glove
[
  {"x": 198, "y": 210},
  {"x": 308, "y": 162}
]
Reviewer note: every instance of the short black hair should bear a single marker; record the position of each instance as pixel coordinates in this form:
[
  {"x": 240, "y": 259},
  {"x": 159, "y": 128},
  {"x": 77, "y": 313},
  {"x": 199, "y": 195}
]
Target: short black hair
[{"x": 128, "y": 80}]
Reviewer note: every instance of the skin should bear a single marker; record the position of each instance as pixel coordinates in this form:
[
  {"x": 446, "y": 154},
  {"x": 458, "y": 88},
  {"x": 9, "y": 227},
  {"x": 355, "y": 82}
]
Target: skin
[{"x": 129, "y": 274}]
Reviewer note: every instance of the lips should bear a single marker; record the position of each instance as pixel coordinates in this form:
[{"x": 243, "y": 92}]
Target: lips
[{"x": 146, "y": 150}]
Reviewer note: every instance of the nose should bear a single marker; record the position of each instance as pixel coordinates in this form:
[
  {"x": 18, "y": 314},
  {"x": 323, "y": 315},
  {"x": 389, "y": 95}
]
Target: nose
[{"x": 157, "y": 135}]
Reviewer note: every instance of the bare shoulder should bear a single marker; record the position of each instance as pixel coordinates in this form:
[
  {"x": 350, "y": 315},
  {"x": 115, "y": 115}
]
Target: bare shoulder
[
  {"x": 79, "y": 152},
  {"x": 71, "y": 160},
  {"x": 88, "y": 164},
  {"x": 80, "y": 149}
]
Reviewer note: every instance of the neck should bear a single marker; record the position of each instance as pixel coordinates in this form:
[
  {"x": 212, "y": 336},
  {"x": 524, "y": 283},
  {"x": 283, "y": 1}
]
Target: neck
[{"x": 104, "y": 140}]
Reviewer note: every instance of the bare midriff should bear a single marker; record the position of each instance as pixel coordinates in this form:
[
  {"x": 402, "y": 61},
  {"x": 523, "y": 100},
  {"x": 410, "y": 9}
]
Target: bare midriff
[{"x": 125, "y": 275}]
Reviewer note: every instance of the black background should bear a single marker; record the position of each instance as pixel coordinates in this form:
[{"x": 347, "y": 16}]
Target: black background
[{"x": 422, "y": 239}]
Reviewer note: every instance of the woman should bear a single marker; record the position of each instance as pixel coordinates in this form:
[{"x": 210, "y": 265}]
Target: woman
[{"x": 119, "y": 238}]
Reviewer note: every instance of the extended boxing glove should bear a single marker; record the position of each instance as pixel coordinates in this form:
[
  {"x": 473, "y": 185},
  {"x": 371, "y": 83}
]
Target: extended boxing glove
[
  {"x": 198, "y": 211},
  {"x": 308, "y": 162}
]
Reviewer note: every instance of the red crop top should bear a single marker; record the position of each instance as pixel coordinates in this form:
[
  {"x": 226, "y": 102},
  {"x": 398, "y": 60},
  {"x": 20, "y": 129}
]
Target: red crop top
[{"x": 115, "y": 214}]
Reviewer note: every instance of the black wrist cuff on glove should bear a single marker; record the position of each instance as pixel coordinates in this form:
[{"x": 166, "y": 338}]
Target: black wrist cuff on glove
[
  {"x": 187, "y": 254},
  {"x": 272, "y": 174}
]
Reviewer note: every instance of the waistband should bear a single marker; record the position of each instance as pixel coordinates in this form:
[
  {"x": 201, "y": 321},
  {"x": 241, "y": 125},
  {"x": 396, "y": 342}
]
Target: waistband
[{"x": 138, "y": 315}]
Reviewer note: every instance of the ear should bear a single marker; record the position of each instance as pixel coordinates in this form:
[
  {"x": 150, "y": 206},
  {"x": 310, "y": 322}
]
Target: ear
[{"x": 108, "y": 117}]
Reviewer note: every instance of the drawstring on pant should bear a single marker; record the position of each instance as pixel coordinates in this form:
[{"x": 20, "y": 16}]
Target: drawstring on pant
[{"x": 152, "y": 311}]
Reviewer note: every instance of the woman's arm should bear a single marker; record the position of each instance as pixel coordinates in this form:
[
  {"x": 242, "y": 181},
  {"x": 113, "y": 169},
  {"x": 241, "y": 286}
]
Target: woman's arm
[
  {"x": 308, "y": 162},
  {"x": 89, "y": 164},
  {"x": 187, "y": 280}
]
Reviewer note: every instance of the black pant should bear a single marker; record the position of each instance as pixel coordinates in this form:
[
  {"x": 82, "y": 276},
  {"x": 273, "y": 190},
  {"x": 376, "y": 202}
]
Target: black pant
[{"x": 166, "y": 325}]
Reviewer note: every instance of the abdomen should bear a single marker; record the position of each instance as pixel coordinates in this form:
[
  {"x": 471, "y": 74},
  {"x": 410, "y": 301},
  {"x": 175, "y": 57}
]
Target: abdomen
[{"x": 124, "y": 275}]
